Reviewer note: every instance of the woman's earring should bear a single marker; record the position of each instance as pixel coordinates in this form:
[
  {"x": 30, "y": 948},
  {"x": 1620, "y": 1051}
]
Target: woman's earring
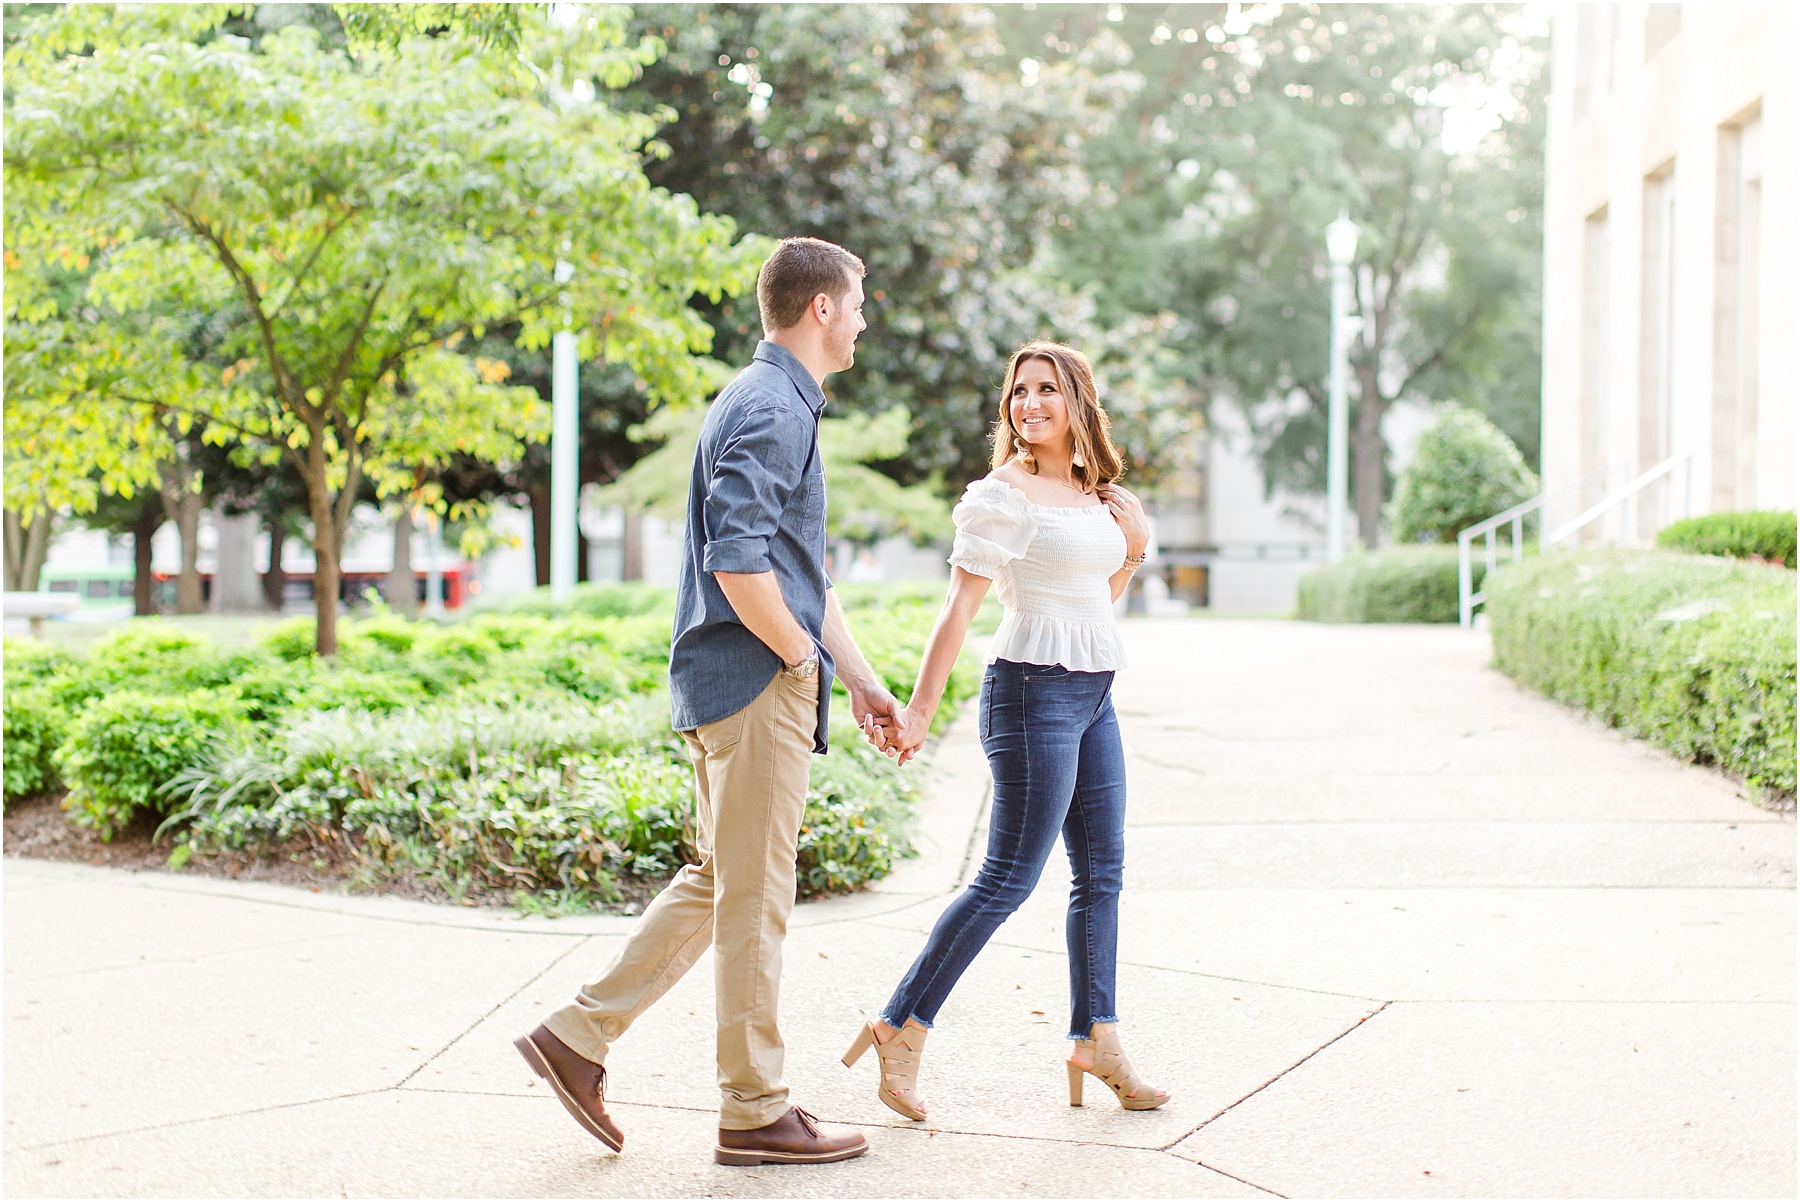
[{"x": 1077, "y": 460}]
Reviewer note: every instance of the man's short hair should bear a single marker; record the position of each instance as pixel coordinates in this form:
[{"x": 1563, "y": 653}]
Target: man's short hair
[{"x": 799, "y": 270}]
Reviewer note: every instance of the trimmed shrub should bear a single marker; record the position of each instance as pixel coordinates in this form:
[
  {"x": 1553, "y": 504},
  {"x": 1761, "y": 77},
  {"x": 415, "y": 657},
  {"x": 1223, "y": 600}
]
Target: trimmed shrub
[
  {"x": 1752, "y": 534},
  {"x": 561, "y": 796},
  {"x": 1695, "y": 654},
  {"x": 122, "y": 749},
  {"x": 37, "y": 676},
  {"x": 1464, "y": 471},
  {"x": 35, "y": 726},
  {"x": 508, "y": 752},
  {"x": 29, "y": 661},
  {"x": 1395, "y": 584}
]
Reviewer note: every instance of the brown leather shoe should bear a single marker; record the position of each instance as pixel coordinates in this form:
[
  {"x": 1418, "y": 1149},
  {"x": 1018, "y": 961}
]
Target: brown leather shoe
[
  {"x": 578, "y": 1081},
  {"x": 794, "y": 1138}
]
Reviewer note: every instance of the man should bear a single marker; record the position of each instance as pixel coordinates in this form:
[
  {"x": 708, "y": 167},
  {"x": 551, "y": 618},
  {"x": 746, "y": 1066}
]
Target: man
[{"x": 758, "y": 636}]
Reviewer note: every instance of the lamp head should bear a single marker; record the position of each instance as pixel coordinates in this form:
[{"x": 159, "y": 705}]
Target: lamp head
[{"x": 1340, "y": 240}]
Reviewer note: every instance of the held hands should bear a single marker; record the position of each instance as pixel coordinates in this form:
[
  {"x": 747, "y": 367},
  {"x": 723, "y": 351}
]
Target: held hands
[
  {"x": 896, "y": 732},
  {"x": 878, "y": 714},
  {"x": 1128, "y": 512}
]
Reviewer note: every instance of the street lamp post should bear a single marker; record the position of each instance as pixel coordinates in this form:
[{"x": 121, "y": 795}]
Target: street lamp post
[
  {"x": 1340, "y": 247},
  {"x": 565, "y": 463}
]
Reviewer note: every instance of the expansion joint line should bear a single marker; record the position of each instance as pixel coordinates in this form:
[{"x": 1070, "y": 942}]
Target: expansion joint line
[
  {"x": 1278, "y": 1076},
  {"x": 491, "y": 1011},
  {"x": 1201, "y": 1164}
]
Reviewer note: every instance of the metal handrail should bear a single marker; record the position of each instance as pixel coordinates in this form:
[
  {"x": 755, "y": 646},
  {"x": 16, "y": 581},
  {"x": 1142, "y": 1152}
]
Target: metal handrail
[
  {"x": 1467, "y": 597},
  {"x": 1644, "y": 480}
]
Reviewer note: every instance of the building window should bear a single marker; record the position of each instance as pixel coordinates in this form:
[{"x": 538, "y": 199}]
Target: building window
[{"x": 1737, "y": 248}]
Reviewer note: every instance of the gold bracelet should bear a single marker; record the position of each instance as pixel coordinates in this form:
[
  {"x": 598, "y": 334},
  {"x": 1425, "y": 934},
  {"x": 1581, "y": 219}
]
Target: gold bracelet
[{"x": 1134, "y": 562}]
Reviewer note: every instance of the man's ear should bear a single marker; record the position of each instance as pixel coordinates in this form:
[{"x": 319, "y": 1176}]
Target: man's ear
[{"x": 821, "y": 308}]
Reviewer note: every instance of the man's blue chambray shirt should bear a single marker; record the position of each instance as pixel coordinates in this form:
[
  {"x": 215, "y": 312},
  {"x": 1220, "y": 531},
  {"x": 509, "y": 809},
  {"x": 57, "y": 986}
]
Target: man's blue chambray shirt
[{"x": 756, "y": 503}]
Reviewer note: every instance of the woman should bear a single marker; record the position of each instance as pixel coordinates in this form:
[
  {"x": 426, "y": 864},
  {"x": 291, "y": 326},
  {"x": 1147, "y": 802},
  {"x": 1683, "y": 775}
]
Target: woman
[{"x": 1051, "y": 525}]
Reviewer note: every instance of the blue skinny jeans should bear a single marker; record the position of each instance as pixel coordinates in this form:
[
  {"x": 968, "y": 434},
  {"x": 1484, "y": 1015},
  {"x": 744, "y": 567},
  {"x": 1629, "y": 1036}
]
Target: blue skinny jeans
[{"x": 1052, "y": 742}]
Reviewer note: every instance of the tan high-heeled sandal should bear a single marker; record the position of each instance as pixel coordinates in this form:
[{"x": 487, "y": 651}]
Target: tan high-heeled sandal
[
  {"x": 899, "y": 1055},
  {"x": 1114, "y": 1071}
]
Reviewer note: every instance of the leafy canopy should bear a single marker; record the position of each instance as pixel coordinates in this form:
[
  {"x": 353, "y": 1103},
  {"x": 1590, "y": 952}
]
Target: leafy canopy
[
  {"x": 1233, "y": 134},
  {"x": 903, "y": 133},
  {"x": 287, "y": 243}
]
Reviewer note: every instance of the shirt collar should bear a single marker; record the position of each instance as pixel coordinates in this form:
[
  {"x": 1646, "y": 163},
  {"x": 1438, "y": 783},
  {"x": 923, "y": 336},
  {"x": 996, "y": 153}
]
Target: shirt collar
[{"x": 786, "y": 360}]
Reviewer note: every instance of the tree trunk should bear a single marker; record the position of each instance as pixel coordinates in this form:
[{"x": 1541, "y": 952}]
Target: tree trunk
[
  {"x": 275, "y": 579},
  {"x": 26, "y": 547},
  {"x": 631, "y": 546},
  {"x": 37, "y": 549},
  {"x": 190, "y": 596},
  {"x": 143, "y": 533},
  {"x": 325, "y": 547},
  {"x": 1368, "y": 456},
  {"x": 539, "y": 496},
  {"x": 236, "y": 589},
  {"x": 181, "y": 505},
  {"x": 15, "y": 550},
  {"x": 402, "y": 587}
]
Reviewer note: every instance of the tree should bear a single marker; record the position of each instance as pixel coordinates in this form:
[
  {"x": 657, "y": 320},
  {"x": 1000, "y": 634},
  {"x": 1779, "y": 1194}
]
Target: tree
[
  {"x": 351, "y": 217},
  {"x": 1241, "y": 132},
  {"x": 1464, "y": 471},
  {"x": 903, "y": 133}
]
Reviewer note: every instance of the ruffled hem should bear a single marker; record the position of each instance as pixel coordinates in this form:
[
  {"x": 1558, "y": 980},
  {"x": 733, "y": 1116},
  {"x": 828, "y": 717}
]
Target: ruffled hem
[
  {"x": 1039, "y": 639},
  {"x": 980, "y": 567}
]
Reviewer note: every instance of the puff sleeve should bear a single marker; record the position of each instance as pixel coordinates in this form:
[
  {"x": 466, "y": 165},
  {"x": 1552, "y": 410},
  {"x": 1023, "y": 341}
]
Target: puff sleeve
[{"x": 994, "y": 526}]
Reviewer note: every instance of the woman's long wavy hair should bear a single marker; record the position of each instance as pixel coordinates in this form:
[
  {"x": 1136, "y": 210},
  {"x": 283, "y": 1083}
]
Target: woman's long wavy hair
[{"x": 1097, "y": 460}]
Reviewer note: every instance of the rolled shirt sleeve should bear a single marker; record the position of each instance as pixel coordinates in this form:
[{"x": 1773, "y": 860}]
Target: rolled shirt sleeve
[{"x": 758, "y": 468}]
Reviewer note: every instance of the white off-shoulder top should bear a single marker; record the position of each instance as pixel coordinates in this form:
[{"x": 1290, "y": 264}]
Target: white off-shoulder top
[{"x": 1051, "y": 565}]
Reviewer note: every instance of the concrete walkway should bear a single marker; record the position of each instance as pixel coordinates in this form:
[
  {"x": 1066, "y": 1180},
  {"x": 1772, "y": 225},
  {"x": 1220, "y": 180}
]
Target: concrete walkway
[{"x": 1392, "y": 927}]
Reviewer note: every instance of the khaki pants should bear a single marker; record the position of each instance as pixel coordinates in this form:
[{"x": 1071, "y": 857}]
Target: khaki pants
[{"x": 750, "y": 777}]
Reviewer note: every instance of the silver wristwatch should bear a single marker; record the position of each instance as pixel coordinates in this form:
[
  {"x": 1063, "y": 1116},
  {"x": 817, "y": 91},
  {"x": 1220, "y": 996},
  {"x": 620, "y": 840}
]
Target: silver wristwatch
[{"x": 806, "y": 669}]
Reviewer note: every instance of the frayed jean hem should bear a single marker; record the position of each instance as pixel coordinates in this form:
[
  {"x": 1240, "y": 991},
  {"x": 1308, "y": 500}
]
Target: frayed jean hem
[
  {"x": 1089, "y": 1033},
  {"x": 888, "y": 1019}
]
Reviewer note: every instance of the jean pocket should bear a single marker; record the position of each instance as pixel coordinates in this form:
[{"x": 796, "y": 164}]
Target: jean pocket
[
  {"x": 986, "y": 706},
  {"x": 1046, "y": 672}
]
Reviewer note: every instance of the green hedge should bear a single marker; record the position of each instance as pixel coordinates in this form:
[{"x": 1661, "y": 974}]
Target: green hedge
[
  {"x": 510, "y": 751},
  {"x": 1396, "y": 584},
  {"x": 35, "y": 726},
  {"x": 121, "y": 750},
  {"x": 1695, "y": 654},
  {"x": 1762, "y": 534}
]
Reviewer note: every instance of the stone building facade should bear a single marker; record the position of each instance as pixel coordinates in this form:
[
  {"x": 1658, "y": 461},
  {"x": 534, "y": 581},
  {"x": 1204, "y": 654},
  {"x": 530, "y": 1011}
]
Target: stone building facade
[{"x": 1672, "y": 270}]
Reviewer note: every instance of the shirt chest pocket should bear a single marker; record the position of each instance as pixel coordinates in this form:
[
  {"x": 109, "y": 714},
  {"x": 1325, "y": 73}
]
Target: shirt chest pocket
[
  {"x": 812, "y": 497},
  {"x": 808, "y": 502}
]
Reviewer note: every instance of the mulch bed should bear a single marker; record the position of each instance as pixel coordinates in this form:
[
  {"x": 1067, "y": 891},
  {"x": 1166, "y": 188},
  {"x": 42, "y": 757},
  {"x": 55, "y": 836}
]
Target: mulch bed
[{"x": 38, "y": 828}]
